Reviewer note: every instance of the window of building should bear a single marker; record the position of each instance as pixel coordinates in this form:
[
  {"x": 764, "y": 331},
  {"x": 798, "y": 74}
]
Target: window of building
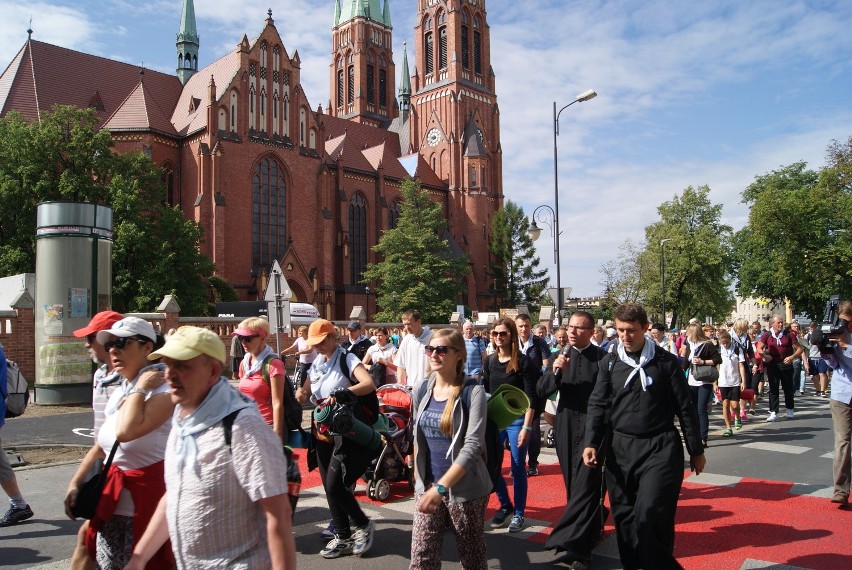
[
  {"x": 473, "y": 176},
  {"x": 371, "y": 87},
  {"x": 223, "y": 120},
  {"x": 442, "y": 48},
  {"x": 394, "y": 212},
  {"x": 268, "y": 212},
  {"x": 233, "y": 111},
  {"x": 312, "y": 140},
  {"x": 302, "y": 120},
  {"x": 263, "y": 109},
  {"x": 275, "y": 112},
  {"x": 430, "y": 53},
  {"x": 350, "y": 85},
  {"x": 383, "y": 88},
  {"x": 357, "y": 238},
  {"x": 477, "y": 53},
  {"x": 276, "y": 58},
  {"x": 465, "y": 48},
  {"x": 168, "y": 179},
  {"x": 340, "y": 88},
  {"x": 251, "y": 106}
]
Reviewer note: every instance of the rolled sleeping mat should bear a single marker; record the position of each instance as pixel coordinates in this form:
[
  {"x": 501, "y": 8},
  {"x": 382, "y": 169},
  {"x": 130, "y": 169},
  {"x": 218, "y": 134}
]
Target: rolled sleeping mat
[
  {"x": 361, "y": 433},
  {"x": 322, "y": 414},
  {"x": 507, "y": 404}
]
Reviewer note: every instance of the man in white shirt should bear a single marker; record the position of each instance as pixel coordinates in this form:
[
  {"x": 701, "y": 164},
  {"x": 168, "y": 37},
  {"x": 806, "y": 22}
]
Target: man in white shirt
[
  {"x": 411, "y": 360},
  {"x": 217, "y": 436}
]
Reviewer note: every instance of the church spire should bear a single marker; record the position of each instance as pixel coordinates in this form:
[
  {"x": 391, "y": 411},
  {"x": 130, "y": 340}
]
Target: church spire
[
  {"x": 187, "y": 43},
  {"x": 404, "y": 94}
]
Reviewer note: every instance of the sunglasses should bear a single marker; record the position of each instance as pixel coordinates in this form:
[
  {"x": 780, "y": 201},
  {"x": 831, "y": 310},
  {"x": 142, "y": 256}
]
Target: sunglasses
[
  {"x": 500, "y": 334},
  {"x": 121, "y": 342},
  {"x": 439, "y": 350},
  {"x": 247, "y": 338}
]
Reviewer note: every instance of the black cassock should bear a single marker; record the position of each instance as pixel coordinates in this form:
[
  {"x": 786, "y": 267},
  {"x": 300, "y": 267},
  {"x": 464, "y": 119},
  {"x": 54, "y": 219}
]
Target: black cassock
[{"x": 579, "y": 529}]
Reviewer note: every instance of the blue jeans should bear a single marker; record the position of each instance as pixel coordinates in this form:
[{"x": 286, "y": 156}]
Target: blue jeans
[
  {"x": 701, "y": 396},
  {"x": 519, "y": 469}
]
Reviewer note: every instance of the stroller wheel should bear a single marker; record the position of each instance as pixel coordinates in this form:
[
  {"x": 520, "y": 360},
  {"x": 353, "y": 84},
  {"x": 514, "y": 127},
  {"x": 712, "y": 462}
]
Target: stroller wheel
[
  {"x": 381, "y": 489},
  {"x": 371, "y": 490},
  {"x": 549, "y": 441}
]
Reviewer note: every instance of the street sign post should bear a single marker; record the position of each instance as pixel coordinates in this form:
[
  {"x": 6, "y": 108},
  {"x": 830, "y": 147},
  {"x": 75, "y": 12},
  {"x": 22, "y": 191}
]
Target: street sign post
[{"x": 277, "y": 297}]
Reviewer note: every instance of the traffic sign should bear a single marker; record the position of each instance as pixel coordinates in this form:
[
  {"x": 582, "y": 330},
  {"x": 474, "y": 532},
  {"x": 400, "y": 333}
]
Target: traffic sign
[{"x": 277, "y": 297}]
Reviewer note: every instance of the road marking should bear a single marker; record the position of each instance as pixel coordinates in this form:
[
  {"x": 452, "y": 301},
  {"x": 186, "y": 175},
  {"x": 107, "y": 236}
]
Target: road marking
[
  {"x": 714, "y": 479},
  {"x": 84, "y": 432},
  {"x": 778, "y": 447},
  {"x": 829, "y": 455}
]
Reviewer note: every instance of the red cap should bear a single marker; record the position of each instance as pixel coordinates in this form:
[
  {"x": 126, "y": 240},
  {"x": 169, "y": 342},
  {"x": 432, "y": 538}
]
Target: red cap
[{"x": 100, "y": 322}]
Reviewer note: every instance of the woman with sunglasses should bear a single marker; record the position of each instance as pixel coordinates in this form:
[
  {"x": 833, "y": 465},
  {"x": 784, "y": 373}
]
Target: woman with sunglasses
[
  {"x": 341, "y": 460},
  {"x": 138, "y": 416},
  {"x": 451, "y": 479},
  {"x": 382, "y": 353},
  {"x": 509, "y": 365},
  {"x": 262, "y": 373}
]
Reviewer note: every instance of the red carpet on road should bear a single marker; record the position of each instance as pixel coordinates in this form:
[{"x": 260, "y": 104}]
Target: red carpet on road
[{"x": 717, "y": 527}]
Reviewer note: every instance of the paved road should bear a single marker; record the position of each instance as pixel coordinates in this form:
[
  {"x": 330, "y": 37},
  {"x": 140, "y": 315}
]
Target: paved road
[
  {"x": 763, "y": 503},
  {"x": 74, "y": 428}
]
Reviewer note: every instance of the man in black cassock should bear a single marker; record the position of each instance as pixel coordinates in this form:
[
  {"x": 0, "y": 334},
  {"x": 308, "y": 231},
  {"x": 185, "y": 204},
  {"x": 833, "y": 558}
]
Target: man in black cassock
[
  {"x": 573, "y": 376},
  {"x": 636, "y": 397}
]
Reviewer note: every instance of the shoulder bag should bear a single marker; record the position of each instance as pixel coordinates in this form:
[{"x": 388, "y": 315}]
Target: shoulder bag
[
  {"x": 706, "y": 374},
  {"x": 90, "y": 492}
]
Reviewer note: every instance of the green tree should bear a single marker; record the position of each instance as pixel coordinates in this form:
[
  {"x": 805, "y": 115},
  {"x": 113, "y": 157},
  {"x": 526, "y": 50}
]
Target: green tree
[
  {"x": 797, "y": 244},
  {"x": 65, "y": 157},
  {"x": 622, "y": 278},
  {"x": 698, "y": 258},
  {"x": 418, "y": 269},
  {"x": 519, "y": 281}
]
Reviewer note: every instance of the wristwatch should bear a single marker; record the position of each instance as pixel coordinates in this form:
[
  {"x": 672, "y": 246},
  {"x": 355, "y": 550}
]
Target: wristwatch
[
  {"x": 138, "y": 391},
  {"x": 443, "y": 491}
]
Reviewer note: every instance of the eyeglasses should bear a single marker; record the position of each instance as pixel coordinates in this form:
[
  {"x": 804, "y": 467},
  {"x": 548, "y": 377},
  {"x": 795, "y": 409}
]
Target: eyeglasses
[
  {"x": 573, "y": 328},
  {"x": 121, "y": 342},
  {"x": 247, "y": 338},
  {"x": 500, "y": 334},
  {"x": 439, "y": 350}
]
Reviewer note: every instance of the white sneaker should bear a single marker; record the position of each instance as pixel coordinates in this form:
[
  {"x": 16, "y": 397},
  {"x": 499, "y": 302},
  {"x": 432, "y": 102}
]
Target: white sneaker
[
  {"x": 790, "y": 414},
  {"x": 772, "y": 417},
  {"x": 362, "y": 539}
]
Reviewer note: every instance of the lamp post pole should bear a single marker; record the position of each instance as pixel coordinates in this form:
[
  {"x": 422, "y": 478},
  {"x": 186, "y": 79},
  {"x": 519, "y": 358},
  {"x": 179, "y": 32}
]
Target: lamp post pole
[
  {"x": 663, "y": 277},
  {"x": 582, "y": 97}
]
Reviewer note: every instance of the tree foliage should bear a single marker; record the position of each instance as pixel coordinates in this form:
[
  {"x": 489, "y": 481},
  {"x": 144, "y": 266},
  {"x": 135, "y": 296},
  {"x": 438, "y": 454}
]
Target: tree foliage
[
  {"x": 622, "y": 278},
  {"x": 418, "y": 268},
  {"x": 518, "y": 278},
  {"x": 797, "y": 243},
  {"x": 65, "y": 157}
]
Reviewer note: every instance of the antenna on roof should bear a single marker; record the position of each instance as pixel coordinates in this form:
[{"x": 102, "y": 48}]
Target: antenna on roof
[{"x": 30, "y": 28}]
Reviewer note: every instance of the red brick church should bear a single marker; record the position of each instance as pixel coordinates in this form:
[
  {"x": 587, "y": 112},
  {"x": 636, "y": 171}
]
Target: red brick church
[{"x": 272, "y": 177}]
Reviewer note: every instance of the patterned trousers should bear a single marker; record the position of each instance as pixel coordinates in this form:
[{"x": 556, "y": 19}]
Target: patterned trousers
[{"x": 467, "y": 521}]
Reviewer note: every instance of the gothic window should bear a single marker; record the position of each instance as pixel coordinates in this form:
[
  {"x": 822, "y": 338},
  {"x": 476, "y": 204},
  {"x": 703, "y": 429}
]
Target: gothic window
[
  {"x": 371, "y": 88},
  {"x": 275, "y": 112},
  {"x": 465, "y": 48},
  {"x": 477, "y": 53},
  {"x": 442, "y": 17},
  {"x": 340, "y": 88},
  {"x": 268, "y": 221},
  {"x": 168, "y": 179},
  {"x": 276, "y": 57},
  {"x": 383, "y": 88},
  {"x": 312, "y": 140},
  {"x": 350, "y": 85},
  {"x": 303, "y": 117},
  {"x": 251, "y": 106},
  {"x": 263, "y": 50},
  {"x": 430, "y": 53},
  {"x": 223, "y": 120},
  {"x": 263, "y": 109},
  {"x": 473, "y": 176},
  {"x": 393, "y": 214},
  {"x": 357, "y": 238},
  {"x": 233, "y": 111},
  {"x": 442, "y": 48}
]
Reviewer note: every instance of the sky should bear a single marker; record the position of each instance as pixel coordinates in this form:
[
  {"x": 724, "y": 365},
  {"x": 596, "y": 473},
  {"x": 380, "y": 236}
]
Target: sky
[{"x": 689, "y": 93}]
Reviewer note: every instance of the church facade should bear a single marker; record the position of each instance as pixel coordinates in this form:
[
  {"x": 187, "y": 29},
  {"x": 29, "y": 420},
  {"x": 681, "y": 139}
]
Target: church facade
[{"x": 270, "y": 177}]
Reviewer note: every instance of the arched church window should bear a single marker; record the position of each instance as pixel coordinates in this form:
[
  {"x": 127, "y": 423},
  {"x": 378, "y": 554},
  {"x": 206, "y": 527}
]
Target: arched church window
[
  {"x": 442, "y": 48},
  {"x": 430, "y": 53},
  {"x": 268, "y": 212},
  {"x": 371, "y": 85},
  {"x": 394, "y": 212},
  {"x": 233, "y": 111},
  {"x": 383, "y": 88},
  {"x": 357, "y": 238}
]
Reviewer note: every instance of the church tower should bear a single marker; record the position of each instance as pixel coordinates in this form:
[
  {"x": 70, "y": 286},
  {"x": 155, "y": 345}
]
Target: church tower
[
  {"x": 455, "y": 125},
  {"x": 362, "y": 68},
  {"x": 187, "y": 43}
]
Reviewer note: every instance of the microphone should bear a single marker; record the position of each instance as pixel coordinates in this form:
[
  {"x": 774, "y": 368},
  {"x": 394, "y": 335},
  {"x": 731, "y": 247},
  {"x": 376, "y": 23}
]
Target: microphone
[{"x": 565, "y": 351}]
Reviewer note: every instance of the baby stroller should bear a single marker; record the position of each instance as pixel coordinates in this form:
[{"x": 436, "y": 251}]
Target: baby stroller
[{"x": 391, "y": 464}]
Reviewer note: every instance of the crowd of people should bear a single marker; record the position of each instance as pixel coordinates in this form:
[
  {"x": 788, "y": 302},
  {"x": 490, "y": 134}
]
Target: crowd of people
[{"x": 189, "y": 449}]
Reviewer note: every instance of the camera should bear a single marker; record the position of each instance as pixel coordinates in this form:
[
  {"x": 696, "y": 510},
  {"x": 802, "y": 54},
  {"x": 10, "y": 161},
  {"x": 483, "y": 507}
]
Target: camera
[{"x": 831, "y": 328}]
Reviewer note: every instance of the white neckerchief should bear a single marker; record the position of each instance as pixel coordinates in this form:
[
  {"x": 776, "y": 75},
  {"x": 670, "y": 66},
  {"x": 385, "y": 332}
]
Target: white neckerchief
[
  {"x": 324, "y": 366},
  {"x": 258, "y": 361},
  {"x": 777, "y": 337},
  {"x": 219, "y": 402},
  {"x": 647, "y": 354},
  {"x": 728, "y": 352}
]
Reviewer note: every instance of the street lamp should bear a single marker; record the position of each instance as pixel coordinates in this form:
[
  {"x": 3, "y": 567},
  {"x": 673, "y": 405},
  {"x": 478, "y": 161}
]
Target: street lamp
[
  {"x": 535, "y": 232},
  {"x": 663, "y": 275},
  {"x": 581, "y": 98}
]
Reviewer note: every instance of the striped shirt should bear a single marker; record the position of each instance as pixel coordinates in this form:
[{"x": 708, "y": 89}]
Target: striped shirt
[
  {"x": 215, "y": 520},
  {"x": 475, "y": 347},
  {"x": 104, "y": 382}
]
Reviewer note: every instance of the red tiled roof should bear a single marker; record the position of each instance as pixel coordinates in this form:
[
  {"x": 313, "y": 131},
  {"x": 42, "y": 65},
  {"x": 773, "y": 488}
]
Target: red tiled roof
[
  {"x": 46, "y": 75},
  {"x": 185, "y": 118},
  {"x": 140, "y": 112}
]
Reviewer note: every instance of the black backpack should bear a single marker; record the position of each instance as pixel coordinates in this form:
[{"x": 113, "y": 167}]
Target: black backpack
[
  {"x": 368, "y": 403},
  {"x": 292, "y": 407}
]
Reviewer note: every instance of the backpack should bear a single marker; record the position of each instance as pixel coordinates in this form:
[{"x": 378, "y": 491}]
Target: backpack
[
  {"x": 18, "y": 391},
  {"x": 292, "y": 407},
  {"x": 368, "y": 403}
]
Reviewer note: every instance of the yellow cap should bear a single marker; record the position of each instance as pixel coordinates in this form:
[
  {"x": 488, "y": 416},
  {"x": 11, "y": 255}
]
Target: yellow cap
[{"x": 188, "y": 342}]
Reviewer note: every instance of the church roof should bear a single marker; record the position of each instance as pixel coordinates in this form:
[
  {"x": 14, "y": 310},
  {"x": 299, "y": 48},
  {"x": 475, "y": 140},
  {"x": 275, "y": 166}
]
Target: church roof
[
  {"x": 190, "y": 113},
  {"x": 43, "y": 75},
  {"x": 140, "y": 112},
  {"x": 345, "y": 10}
]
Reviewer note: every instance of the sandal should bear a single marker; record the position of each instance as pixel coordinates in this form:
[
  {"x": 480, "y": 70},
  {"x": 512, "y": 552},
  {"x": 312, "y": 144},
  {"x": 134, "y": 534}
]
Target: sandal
[{"x": 728, "y": 433}]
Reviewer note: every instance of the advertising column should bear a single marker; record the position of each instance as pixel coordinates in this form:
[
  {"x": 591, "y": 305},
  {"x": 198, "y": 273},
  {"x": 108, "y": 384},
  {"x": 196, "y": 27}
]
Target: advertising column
[{"x": 73, "y": 282}]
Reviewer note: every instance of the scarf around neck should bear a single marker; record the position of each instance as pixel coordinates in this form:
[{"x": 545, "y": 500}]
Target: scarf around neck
[
  {"x": 647, "y": 355},
  {"x": 258, "y": 361},
  {"x": 220, "y": 401}
]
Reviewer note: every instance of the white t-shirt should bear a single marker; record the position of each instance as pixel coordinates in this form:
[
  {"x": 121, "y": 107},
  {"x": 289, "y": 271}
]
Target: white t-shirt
[
  {"x": 387, "y": 351},
  {"x": 136, "y": 454},
  {"x": 326, "y": 376},
  {"x": 413, "y": 358},
  {"x": 729, "y": 371},
  {"x": 308, "y": 358}
]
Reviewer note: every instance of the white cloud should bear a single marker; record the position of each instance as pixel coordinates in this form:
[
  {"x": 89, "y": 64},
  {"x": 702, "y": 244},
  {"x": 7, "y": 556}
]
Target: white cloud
[{"x": 60, "y": 25}]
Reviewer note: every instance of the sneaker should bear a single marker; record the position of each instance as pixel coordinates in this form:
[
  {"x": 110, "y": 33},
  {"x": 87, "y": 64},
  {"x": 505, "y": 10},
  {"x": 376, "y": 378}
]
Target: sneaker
[
  {"x": 328, "y": 533},
  {"x": 500, "y": 517},
  {"x": 532, "y": 471},
  {"x": 790, "y": 414},
  {"x": 728, "y": 433},
  {"x": 744, "y": 419},
  {"x": 15, "y": 515},
  {"x": 738, "y": 424},
  {"x": 337, "y": 547},
  {"x": 517, "y": 523},
  {"x": 772, "y": 417},
  {"x": 840, "y": 499},
  {"x": 363, "y": 539}
]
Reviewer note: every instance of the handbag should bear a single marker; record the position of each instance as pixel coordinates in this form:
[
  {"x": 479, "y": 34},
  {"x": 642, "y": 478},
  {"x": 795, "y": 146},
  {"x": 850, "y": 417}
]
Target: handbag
[
  {"x": 90, "y": 492},
  {"x": 706, "y": 374}
]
